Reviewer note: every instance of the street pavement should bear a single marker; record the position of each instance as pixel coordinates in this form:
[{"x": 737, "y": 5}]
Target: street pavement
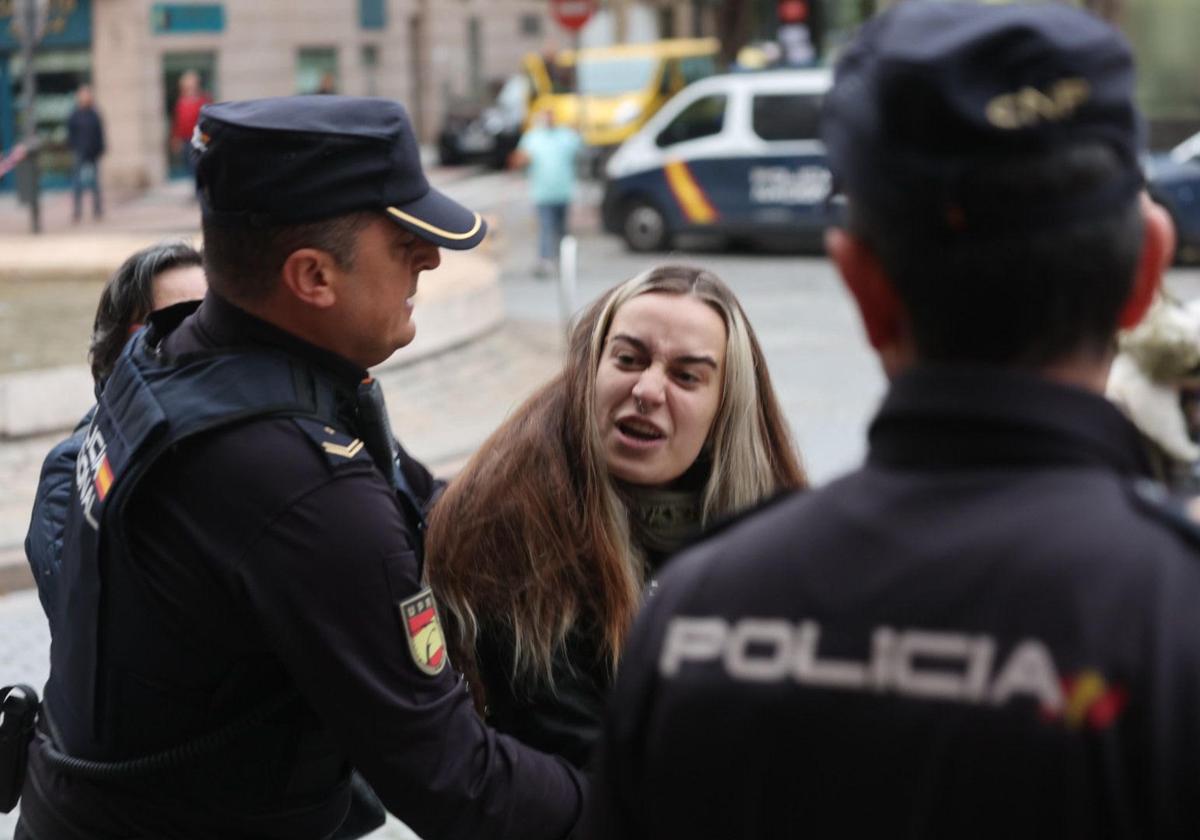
[{"x": 443, "y": 407}]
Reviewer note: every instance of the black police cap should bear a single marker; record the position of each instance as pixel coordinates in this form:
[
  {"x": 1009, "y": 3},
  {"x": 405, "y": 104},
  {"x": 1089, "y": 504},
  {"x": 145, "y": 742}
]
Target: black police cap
[
  {"x": 299, "y": 159},
  {"x": 930, "y": 92}
]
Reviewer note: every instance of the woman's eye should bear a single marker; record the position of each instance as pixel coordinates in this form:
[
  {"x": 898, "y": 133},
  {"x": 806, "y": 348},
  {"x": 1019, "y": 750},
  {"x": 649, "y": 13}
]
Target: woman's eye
[
  {"x": 687, "y": 377},
  {"x": 626, "y": 359}
]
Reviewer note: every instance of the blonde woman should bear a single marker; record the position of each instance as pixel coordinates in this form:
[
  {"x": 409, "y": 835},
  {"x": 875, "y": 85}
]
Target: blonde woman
[{"x": 662, "y": 421}]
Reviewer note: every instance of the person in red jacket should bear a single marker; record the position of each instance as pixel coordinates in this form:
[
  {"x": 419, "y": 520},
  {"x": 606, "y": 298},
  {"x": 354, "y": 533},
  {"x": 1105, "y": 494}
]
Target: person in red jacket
[{"x": 187, "y": 112}]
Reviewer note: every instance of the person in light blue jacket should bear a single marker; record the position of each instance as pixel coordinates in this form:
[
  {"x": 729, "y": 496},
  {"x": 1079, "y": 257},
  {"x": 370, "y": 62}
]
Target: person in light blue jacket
[{"x": 548, "y": 153}]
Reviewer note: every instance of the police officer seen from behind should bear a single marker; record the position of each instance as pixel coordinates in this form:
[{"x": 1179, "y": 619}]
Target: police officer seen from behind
[
  {"x": 991, "y": 629},
  {"x": 242, "y": 617}
]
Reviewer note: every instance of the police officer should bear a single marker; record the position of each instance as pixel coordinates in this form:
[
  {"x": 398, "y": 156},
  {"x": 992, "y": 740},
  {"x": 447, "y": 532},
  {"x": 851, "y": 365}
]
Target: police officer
[
  {"x": 242, "y": 617},
  {"x": 991, "y": 628}
]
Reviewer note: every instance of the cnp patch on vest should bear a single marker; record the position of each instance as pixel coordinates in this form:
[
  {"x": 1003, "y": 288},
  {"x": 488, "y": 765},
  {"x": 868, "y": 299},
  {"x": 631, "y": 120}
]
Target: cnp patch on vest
[{"x": 424, "y": 631}]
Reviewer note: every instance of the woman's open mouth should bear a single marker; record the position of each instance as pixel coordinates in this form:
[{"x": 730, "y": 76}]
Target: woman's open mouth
[{"x": 639, "y": 433}]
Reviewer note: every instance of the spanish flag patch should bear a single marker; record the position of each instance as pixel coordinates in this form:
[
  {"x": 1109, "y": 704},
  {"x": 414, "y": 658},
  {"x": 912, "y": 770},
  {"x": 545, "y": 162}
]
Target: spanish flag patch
[
  {"x": 104, "y": 478},
  {"x": 424, "y": 631}
]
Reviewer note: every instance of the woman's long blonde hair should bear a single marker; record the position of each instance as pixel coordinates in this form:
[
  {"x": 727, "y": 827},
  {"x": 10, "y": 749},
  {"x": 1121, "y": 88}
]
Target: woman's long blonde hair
[{"x": 532, "y": 539}]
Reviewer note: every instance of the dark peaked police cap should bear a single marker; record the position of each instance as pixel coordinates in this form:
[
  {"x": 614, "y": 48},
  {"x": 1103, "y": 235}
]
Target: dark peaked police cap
[
  {"x": 930, "y": 93},
  {"x": 299, "y": 159}
]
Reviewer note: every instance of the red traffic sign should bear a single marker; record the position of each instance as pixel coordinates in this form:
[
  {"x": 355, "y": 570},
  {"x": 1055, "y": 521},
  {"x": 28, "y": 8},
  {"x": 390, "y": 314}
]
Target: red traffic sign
[
  {"x": 572, "y": 14},
  {"x": 793, "y": 11}
]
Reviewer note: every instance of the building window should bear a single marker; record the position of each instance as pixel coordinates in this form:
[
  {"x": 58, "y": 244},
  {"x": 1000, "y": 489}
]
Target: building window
[
  {"x": 372, "y": 14},
  {"x": 187, "y": 18},
  {"x": 531, "y": 26},
  {"x": 316, "y": 70}
]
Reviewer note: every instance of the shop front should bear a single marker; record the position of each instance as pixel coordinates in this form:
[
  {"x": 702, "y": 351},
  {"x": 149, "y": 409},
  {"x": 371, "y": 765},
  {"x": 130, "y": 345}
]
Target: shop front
[{"x": 63, "y": 62}]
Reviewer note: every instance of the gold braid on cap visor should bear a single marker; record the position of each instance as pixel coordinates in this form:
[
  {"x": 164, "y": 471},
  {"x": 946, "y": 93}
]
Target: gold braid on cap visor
[{"x": 437, "y": 231}]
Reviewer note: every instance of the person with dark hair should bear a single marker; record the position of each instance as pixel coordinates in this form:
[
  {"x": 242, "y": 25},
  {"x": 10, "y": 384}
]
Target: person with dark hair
[
  {"x": 152, "y": 279},
  {"x": 149, "y": 280},
  {"x": 85, "y": 137},
  {"x": 242, "y": 561},
  {"x": 662, "y": 421},
  {"x": 990, "y": 629}
]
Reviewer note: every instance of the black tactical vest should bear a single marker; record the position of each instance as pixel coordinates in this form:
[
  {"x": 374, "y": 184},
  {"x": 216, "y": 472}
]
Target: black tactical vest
[{"x": 148, "y": 406}]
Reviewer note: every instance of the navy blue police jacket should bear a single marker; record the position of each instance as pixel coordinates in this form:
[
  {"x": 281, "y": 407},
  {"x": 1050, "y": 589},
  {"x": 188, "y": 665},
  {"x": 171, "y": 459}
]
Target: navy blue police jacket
[
  {"x": 44, "y": 539},
  {"x": 992, "y": 629},
  {"x": 225, "y": 549}
]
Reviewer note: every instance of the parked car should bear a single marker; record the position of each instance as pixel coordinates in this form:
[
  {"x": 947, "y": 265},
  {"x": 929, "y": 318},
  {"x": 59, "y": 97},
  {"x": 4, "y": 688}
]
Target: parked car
[
  {"x": 738, "y": 154},
  {"x": 1174, "y": 182},
  {"x": 487, "y": 134}
]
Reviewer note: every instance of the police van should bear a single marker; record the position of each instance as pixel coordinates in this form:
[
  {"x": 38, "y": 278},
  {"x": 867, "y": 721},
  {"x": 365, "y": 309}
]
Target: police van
[{"x": 738, "y": 154}]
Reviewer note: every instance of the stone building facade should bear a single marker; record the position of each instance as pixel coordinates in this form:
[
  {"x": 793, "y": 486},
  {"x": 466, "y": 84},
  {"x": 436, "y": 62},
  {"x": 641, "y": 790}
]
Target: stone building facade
[
  {"x": 424, "y": 53},
  {"x": 427, "y": 54}
]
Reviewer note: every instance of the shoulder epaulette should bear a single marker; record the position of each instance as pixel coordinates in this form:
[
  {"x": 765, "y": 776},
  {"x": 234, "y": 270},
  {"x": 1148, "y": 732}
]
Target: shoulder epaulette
[
  {"x": 1180, "y": 514},
  {"x": 337, "y": 446}
]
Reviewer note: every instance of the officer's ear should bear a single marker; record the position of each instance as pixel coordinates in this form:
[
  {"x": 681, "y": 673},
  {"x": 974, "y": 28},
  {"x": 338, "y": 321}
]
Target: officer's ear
[
  {"x": 883, "y": 314},
  {"x": 309, "y": 274},
  {"x": 1158, "y": 249}
]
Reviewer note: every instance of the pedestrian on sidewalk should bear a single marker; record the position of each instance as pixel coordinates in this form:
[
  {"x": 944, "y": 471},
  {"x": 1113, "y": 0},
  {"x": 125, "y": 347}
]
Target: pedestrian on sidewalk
[
  {"x": 662, "y": 421},
  {"x": 547, "y": 151},
  {"x": 85, "y": 137},
  {"x": 990, "y": 629},
  {"x": 244, "y": 608},
  {"x": 151, "y": 279}
]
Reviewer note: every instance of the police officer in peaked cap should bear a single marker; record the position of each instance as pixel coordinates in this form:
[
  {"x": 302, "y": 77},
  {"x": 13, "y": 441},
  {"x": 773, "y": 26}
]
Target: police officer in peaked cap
[
  {"x": 991, "y": 628},
  {"x": 243, "y": 618}
]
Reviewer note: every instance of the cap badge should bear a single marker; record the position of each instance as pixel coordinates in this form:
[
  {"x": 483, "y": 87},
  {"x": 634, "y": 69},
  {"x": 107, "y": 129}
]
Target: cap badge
[
  {"x": 199, "y": 140},
  {"x": 1029, "y": 106}
]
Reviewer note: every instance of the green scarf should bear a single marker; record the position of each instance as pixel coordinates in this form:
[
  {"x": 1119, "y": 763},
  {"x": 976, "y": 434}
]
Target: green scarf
[{"x": 662, "y": 521}]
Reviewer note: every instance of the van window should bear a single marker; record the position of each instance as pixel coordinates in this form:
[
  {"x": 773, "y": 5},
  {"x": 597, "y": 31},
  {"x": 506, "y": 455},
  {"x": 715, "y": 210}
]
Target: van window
[
  {"x": 787, "y": 116},
  {"x": 703, "y": 118}
]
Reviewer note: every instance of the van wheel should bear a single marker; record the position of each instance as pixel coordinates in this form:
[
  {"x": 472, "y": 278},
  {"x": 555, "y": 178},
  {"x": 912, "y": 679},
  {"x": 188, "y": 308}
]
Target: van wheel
[{"x": 644, "y": 228}]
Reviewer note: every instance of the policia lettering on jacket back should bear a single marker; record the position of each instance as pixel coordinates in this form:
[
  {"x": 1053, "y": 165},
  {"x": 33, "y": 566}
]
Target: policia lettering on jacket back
[{"x": 242, "y": 621}]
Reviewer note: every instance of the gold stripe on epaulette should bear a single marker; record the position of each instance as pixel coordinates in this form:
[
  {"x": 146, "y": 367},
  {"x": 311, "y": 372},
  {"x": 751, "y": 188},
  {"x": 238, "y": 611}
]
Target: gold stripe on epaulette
[{"x": 348, "y": 451}]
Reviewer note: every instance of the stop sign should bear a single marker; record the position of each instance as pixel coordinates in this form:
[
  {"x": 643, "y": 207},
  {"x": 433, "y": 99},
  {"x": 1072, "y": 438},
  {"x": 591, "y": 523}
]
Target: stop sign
[{"x": 572, "y": 14}]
